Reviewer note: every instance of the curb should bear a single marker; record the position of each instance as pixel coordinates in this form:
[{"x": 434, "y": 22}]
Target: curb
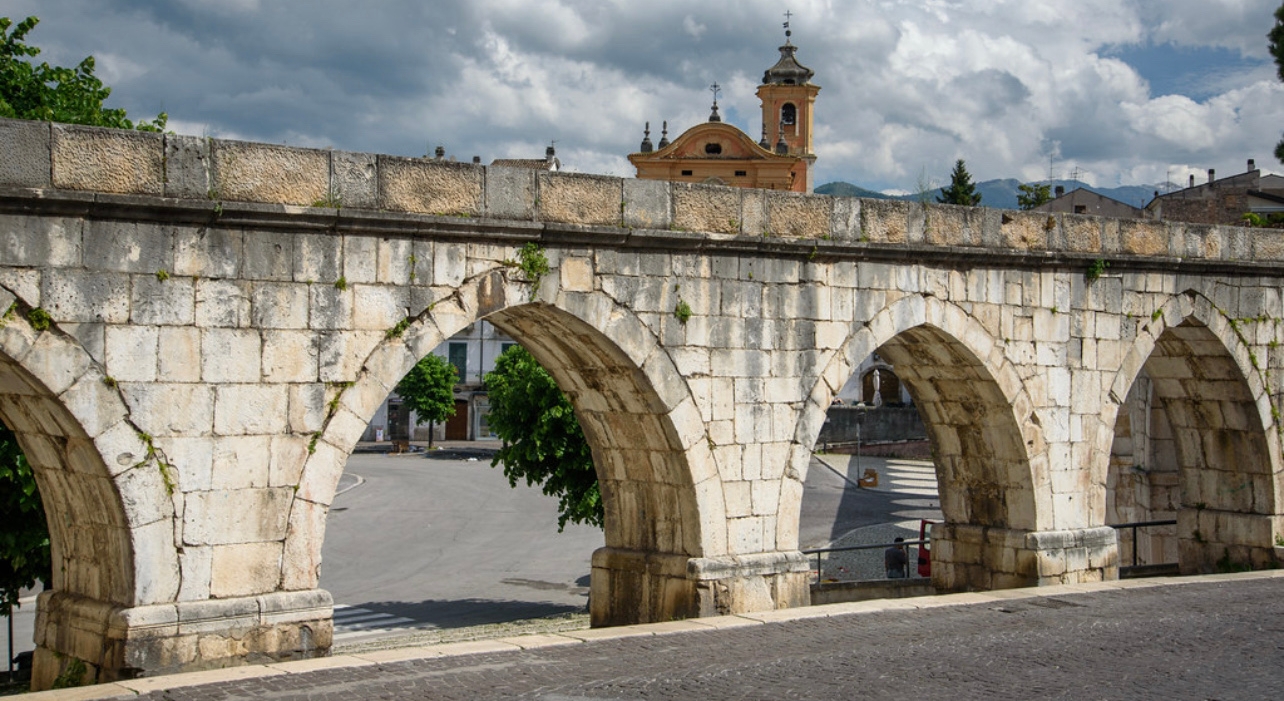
[{"x": 133, "y": 687}]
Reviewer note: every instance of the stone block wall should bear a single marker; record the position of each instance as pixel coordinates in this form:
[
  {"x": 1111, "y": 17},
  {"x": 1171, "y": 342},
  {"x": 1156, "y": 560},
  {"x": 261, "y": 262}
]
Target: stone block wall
[
  {"x": 94, "y": 160},
  {"x": 230, "y": 315}
]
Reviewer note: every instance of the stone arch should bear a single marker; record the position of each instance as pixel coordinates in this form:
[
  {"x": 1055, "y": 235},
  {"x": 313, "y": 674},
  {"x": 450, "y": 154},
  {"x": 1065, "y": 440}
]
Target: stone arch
[
  {"x": 661, "y": 490},
  {"x": 981, "y": 423},
  {"x": 1214, "y": 395},
  {"x": 110, "y": 520}
]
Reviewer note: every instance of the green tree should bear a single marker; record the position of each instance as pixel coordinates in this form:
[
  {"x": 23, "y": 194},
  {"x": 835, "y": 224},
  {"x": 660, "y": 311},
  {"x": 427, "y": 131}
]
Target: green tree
[
  {"x": 1032, "y": 195},
  {"x": 961, "y": 190},
  {"x": 24, "y": 539},
  {"x": 429, "y": 389},
  {"x": 54, "y": 93},
  {"x": 542, "y": 440},
  {"x": 1276, "y": 36}
]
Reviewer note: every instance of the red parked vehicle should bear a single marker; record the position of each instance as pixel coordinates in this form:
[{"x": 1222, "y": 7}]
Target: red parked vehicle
[{"x": 924, "y": 553}]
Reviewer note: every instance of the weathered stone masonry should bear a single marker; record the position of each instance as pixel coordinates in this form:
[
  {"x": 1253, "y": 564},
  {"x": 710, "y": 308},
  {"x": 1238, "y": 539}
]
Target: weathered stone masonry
[{"x": 224, "y": 318}]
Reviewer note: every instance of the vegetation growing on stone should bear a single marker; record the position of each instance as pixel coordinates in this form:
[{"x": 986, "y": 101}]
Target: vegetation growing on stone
[
  {"x": 682, "y": 311},
  {"x": 1095, "y": 269},
  {"x": 39, "y": 319},
  {"x": 533, "y": 263}
]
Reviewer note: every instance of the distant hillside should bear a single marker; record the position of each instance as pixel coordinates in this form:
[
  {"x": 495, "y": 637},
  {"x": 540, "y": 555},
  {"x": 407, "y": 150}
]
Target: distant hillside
[
  {"x": 841, "y": 189},
  {"x": 1002, "y": 194}
]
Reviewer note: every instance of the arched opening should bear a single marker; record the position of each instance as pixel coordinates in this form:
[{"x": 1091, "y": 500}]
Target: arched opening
[
  {"x": 110, "y": 524},
  {"x": 1190, "y": 445},
  {"x": 982, "y": 465},
  {"x": 636, "y": 415},
  {"x": 788, "y": 114},
  {"x": 986, "y": 443},
  {"x": 871, "y": 481}
]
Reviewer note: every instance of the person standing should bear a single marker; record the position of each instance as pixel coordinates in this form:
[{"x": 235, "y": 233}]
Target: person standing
[{"x": 895, "y": 561}]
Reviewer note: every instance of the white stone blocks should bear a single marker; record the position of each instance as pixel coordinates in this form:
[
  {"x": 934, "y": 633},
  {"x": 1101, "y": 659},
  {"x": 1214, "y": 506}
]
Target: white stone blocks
[
  {"x": 269, "y": 255},
  {"x": 267, "y": 173},
  {"x": 178, "y": 354},
  {"x": 107, "y": 160},
  {"x": 307, "y": 404},
  {"x": 72, "y": 295},
  {"x": 33, "y": 241},
  {"x": 155, "y": 301},
  {"x": 26, "y": 145},
  {"x": 342, "y": 353},
  {"x": 244, "y": 569},
  {"x": 236, "y": 516},
  {"x": 279, "y": 306},
  {"x": 240, "y": 462},
  {"x": 353, "y": 180},
  {"x": 647, "y": 204},
  {"x": 132, "y": 352},
  {"x": 231, "y": 355},
  {"x": 95, "y": 406},
  {"x": 379, "y": 307},
  {"x": 222, "y": 303},
  {"x": 290, "y": 356},
  {"x": 154, "y": 544},
  {"x": 242, "y": 409}
]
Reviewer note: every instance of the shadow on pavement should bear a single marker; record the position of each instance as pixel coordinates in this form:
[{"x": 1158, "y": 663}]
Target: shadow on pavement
[{"x": 463, "y": 613}]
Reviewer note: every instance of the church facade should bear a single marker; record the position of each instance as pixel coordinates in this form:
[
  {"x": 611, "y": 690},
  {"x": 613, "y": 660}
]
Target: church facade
[{"x": 719, "y": 153}]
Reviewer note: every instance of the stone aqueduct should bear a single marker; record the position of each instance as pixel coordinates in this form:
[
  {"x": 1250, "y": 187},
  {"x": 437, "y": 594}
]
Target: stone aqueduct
[{"x": 197, "y": 332}]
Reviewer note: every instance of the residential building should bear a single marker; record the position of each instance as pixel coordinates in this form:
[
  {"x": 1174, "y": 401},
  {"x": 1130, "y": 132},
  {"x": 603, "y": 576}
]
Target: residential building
[
  {"x": 1223, "y": 201},
  {"x": 1084, "y": 201}
]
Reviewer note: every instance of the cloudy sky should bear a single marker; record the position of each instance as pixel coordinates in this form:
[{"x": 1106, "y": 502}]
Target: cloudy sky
[{"x": 1122, "y": 92}]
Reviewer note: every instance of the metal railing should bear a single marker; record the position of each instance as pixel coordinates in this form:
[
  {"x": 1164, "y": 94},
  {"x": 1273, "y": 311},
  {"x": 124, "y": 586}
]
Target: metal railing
[
  {"x": 1141, "y": 524},
  {"x": 910, "y": 566}
]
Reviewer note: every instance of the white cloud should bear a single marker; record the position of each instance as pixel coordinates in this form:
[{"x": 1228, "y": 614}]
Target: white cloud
[
  {"x": 692, "y": 27},
  {"x": 907, "y": 87}
]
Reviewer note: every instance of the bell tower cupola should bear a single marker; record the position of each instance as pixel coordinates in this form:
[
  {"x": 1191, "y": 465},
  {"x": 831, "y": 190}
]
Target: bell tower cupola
[{"x": 788, "y": 97}]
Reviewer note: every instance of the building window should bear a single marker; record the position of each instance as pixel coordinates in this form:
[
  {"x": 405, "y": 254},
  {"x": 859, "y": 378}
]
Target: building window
[
  {"x": 789, "y": 114},
  {"x": 1080, "y": 209},
  {"x": 741, "y": 173},
  {"x": 503, "y": 347},
  {"x": 713, "y": 149},
  {"x": 686, "y": 172},
  {"x": 458, "y": 356}
]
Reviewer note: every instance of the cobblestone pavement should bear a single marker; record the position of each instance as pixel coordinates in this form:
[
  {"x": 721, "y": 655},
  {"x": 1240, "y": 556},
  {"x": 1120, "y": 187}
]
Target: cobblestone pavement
[{"x": 1221, "y": 639}]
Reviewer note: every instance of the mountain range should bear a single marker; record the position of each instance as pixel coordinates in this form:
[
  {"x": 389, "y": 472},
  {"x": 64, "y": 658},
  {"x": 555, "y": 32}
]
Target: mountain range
[{"x": 1001, "y": 194}]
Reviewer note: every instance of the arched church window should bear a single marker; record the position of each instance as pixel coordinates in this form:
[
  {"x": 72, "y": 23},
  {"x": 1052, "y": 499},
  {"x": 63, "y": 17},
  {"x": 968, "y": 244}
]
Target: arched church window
[
  {"x": 713, "y": 149},
  {"x": 789, "y": 114}
]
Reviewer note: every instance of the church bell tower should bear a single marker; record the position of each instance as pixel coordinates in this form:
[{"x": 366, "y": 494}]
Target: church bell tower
[{"x": 788, "y": 98}]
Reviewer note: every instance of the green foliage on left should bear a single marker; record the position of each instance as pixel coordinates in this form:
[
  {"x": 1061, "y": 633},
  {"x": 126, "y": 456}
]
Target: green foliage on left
[
  {"x": 429, "y": 389},
  {"x": 24, "y": 539},
  {"x": 961, "y": 190},
  {"x": 1276, "y": 37},
  {"x": 542, "y": 440},
  {"x": 1031, "y": 195},
  {"x": 55, "y": 93}
]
